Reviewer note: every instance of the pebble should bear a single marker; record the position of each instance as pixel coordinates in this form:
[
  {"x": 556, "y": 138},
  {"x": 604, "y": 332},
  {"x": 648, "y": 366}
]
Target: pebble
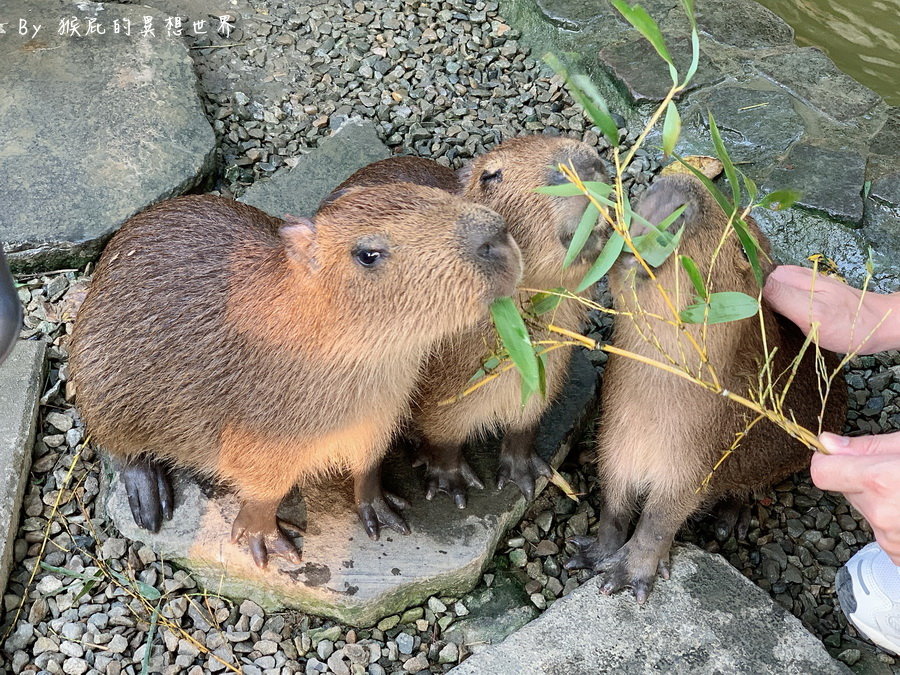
[
  {"x": 416, "y": 664},
  {"x": 405, "y": 643},
  {"x": 449, "y": 653}
]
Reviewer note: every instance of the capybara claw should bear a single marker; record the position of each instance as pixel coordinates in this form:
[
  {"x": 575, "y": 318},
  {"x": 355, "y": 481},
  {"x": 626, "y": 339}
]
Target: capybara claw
[
  {"x": 452, "y": 482},
  {"x": 257, "y": 522},
  {"x": 379, "y": 512},
  {"x": 523, "y": 470},
  {"x": 149, "y": 491}
]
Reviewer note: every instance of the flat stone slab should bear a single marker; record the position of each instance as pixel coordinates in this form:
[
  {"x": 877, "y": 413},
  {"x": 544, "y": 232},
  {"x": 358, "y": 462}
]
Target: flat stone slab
[
  {"x": 92, "y": 129},
  {"x": 707, "y": 618},
  {"x": 21, "y": 378},
  {"x": 830, "y": 180},
  {"x": 299, "y": 191},
  {"x": 345, "y": 575}
]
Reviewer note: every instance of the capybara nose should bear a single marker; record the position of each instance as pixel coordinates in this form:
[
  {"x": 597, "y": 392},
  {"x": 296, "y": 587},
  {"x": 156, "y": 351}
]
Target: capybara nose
[
  {"x": 588, "y": 166},
  {"x": 489, "y": 245}
]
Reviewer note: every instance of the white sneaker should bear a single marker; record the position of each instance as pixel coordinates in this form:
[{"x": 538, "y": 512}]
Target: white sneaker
[{"x": 868, "y": 588}]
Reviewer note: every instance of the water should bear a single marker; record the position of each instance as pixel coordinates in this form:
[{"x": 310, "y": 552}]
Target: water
[{"x": 861, "y": 36}]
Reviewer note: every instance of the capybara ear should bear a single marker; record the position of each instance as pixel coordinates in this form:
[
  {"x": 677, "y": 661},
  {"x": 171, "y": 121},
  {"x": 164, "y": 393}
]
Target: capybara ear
[
  {"x": 660, "y": 201},
  {"x": 299, "y": 237},
  {"x": 464, "y": 174}
]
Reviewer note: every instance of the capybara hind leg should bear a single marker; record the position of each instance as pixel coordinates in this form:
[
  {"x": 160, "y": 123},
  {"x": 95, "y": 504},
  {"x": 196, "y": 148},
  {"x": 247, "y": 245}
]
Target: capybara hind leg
[
  {"x": 375, "y": 506},
  {"x": 149, "y": 491},
  {"x": 258, "y": 523},
  {"x": 519, "y": 463},
  {"x": 591, "y": 552},
  {"x": 646, "y": 554},
  {"x": 447, "y": 471},
  {"x": 732, "y": 517}
]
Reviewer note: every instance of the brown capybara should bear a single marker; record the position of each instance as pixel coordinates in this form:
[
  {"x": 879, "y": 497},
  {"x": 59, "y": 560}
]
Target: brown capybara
[
  {"x": 505, "y": 180},
  {"x": 263, "y": 352},
  {"x": 660, "y": 435}
]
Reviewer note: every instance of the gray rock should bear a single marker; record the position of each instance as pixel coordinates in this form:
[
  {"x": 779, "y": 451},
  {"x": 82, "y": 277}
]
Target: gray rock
[
  {"x": 21, "y": 379},
  {"x": 94, "y": 130},
  {"x": 812, "y": 76},
  {"x": 881, "y": 225},
  {"x": 494, "y": 613},
  {"x": 299, "y": 191},
  {"x": 706, "y": 618},
  {"x": 744, "y": 24},
  {"x": 831, "y": 181},
  {"x": 344, "y": 574}
]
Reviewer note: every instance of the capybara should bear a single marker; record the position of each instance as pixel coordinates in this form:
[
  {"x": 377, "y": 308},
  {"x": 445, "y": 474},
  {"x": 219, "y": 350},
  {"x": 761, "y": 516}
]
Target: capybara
[
  {"x": 660, "y": 436},
  {"x": 265, "y": 352}
]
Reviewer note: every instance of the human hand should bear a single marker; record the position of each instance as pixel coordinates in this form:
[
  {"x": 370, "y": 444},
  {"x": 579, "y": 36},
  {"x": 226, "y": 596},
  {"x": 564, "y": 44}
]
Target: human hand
[
  {"x": 834, "y": 305},
  {"x": 867, "y": 470}
]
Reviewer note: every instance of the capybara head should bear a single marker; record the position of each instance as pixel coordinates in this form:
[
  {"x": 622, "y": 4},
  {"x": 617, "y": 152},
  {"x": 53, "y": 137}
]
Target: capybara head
[
  {"x": 408, "y": 257},
  {"x": 505, "y": 180},
  {"x": 705, "y": 223}
]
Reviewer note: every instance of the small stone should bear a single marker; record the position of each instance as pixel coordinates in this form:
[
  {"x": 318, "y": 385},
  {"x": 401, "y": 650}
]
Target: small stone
[
  {"x": 449, "y": 653},
  {"x": 75, "y": 666},
  {"x": 422, "y": 625},
  {"x": 390, "y": 621},
  {"x": 538, "y": 600},
  {"x": 546, "y": 547},
  {"x": 49, "y": 585},
  {"x": 44, "y": 644},
  {"x": 405, "y": 643},
  {"x": 59, "y": 421},
  {"x": 266, "y": 647},
  {"x": 436, "y": 605},
  {"x": 460, "y": 609},
  {"x": 416, "y": 664},
  {"x": 114, "y": 549},
  {"x": 518, "y": 557},
  {"x": 408, "y": 616},
  {"x": 250, "y": 608},
  {"x": 324, "y": 649},
  {"x": 333, "y": 633},
  {"x": 849, "y": 656},
  {"x": 118, "y": 645},
  {"x": 357, "y": 654},
  {"x": 337, "y": 665}
]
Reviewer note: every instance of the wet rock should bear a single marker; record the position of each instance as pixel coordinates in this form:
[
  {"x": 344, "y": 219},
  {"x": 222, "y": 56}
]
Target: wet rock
[{"x": 92, "y": 135}]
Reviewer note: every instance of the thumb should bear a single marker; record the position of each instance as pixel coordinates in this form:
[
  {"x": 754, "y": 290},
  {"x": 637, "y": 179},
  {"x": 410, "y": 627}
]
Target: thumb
[{"x": 882, "y": 444}]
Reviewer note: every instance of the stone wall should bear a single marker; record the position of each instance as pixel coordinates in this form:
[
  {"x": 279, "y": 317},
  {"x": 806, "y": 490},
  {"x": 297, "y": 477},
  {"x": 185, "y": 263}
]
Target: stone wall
[{"x": 786, "y": 113}]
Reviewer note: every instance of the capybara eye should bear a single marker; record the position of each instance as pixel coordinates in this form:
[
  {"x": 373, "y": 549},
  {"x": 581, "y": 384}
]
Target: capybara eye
[
  {"x": 368, "y": 257},
  {"x": 488, "y": 177}
]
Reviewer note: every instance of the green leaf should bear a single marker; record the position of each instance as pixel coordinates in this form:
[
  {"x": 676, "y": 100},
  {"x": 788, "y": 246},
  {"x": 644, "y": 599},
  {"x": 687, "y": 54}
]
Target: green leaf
[
  {"x": 586, "y": 94},
  {"x": 582, "y": 232},
  {"x": 86, "y": 588},
  {"x": 749, "y": 186},
  {"x": 514, "y": 335},
  {"x": 780, "y": 199},
  {"x": 671, "y": 129},
  {"x": 730, "y": 172},
  {"x": 604, "y": 261},
  {"x": 151, "y": 634},
  {"x": 541, "y": 303},
  {"x": 656, "y": 247},
  {"x": 564, "y": 190},
  {"x": 694, "y": 274},
  {"x": 486, "y": 367},
  {"x": 721, "y": 308},
  {"x": 66, "y": 572},
  {"x": 147, "y": 591},
  {"x": 638, "y": 17},
  {"x": 542, "y": 375},
  {"x": 695, "y": 56},
  {"x": 598, "y": 189}
]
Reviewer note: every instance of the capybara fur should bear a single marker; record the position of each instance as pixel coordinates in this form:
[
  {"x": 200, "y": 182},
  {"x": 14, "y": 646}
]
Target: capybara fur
[
  {"x": 504, "y": 179},
  {"x": 265, "y": 352},
  {"x": 660, "y": 436}
]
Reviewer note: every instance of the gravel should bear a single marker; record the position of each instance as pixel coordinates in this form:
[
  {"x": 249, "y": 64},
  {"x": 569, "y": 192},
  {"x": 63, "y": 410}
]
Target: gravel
[{"x": 445, "y": 80}]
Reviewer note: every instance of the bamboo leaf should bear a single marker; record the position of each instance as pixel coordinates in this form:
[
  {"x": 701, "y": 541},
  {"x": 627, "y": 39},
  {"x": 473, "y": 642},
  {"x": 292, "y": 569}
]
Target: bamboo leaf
[
  {"x": 514, "y": 335},
  {"x": 588, "y": 97},
  {"x": 564, "y": 190},
  {"x": 604, "y": 261},
  {"x": 560, "y": 482},
  {"x": 721, "y": 308},
  {"x": 730, "y": 172},
  {"x": 671, "y": 129},
  {"x": 598, "y": 189},
  {"x": 582, "y": 232},
  {"x": 694, "y": 275},
  {"x": 656, "y": 247},
  {"x": 638, "y": 17},
  {"x": 542, "y": 375},
  {"x": 780, "y": 199},
  {"x": 151, "y": 634},
  {"x": 541, "y": 303},
  {"x": 750, "y": 187}
]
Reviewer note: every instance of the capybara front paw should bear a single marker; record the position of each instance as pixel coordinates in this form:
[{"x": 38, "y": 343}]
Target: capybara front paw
[
  {"x": 451, "y": 481},
  {"x": 379, "y": 512},
  {"x": 523, "y": 469},
  {"x": 590, "y": 554},
  {"x": 265, "y": 536},
  {"x": 149, "y": 491}
]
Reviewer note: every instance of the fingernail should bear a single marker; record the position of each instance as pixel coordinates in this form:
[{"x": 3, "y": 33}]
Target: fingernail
[{"x": 834, "y": 443}]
